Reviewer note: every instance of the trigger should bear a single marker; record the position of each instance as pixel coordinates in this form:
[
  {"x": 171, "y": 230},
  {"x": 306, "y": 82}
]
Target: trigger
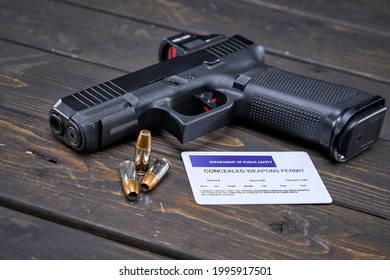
[{"x": 207, "y": 100}]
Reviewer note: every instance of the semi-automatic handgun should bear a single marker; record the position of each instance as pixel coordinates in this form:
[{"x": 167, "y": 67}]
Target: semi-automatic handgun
[{"x": 203, "y": 82}]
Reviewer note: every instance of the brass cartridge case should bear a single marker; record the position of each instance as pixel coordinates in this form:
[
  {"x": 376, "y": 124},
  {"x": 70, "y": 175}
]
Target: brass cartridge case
[
  {"x": 128, "y": 178},
  {"x": 155, "y": 174},
  {"x": 143, "y": 147}
]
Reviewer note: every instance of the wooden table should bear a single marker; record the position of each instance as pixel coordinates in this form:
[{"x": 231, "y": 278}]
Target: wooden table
[{"x": 56, "y": 203}]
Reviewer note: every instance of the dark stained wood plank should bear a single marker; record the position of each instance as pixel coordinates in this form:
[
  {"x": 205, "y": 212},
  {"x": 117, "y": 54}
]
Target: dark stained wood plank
[
  {"x": 31, "y": 81},
  {"x": 81, "y": 33},
  {"x": 42, "y": 177},
  {"x": 84, "y": 191},
  {"x": 307, "y": 39},
  {"x": 360, "y": 14},
  {"x": 27, "y": 237},
  {"x": 46, "y": 85}
]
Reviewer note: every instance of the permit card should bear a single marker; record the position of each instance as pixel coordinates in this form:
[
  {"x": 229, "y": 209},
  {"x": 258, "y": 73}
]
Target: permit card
[{"x": 254, "y": 178}]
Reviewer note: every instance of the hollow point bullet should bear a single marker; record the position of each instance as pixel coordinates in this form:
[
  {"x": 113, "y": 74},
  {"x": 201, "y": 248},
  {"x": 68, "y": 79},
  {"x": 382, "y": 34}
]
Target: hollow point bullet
[
  {"x": 128, "y": 178},
  {"x": 155, "y": 174},
  {"x": 143, "y": 147}
]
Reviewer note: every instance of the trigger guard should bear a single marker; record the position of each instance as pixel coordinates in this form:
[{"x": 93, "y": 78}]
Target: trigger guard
[{"x": 186, "y": 128}]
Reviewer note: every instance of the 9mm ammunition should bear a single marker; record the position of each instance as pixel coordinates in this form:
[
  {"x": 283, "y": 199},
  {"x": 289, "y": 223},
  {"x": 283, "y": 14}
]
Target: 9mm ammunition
[
  {"x": 155, "y": 174},
  {"x": 140, "y": 166},
  {"x": 128, "y": 178},
  {"x": 143, "y": 147}
]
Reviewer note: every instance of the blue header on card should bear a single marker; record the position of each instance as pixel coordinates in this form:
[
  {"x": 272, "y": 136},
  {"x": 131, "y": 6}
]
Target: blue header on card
[{"x": 231, "y": 161}]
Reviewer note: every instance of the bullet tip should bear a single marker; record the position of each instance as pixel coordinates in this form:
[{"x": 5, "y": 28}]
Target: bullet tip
[
  {"x": 149, "y": 181},
  {"x": 131, "y": 189},
  {"x": 144, "y": 140}
]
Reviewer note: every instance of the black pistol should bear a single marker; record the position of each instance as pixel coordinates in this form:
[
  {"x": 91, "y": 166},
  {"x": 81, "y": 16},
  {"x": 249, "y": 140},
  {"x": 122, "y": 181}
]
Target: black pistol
[{"x": 201, "y": 83}]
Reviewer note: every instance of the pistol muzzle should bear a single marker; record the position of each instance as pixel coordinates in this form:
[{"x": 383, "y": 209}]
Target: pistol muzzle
[
  {"x": 128, "y": 178},
  {"x": 155, "y": 174}
]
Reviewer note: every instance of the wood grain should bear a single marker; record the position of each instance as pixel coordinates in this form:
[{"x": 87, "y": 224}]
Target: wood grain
[
  {"x": 46, "y": 86},
  {"x": 73, "y": 190},
  {"x": 81, "y": 33},
  {"x": 305, "y": 38},
  {"x": 372, "y": 17},
  {"x": 27, "y": 237},
  {"x": 49, "y": 49}
]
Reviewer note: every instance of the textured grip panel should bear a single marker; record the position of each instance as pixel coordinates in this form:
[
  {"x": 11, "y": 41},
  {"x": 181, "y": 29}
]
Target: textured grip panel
[
  {"x": 308, "y": 88},
  {"x": 285, "y": 117}
]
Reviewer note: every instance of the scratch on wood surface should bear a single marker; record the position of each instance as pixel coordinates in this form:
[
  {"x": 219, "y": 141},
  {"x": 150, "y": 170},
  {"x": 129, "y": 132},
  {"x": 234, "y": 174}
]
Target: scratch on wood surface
[
  {"x": 323, "y": 243},
  {"x": 222, "y": 139},
  {"x": 148, "y": 200},
  {"x": 72, "y": 176},
  {"x": 141, "y": 33},
  {"x": 42, "y": 156},
  {"x": 11, "y": 82},
  {"x": 306, "y": 229},
  {"x": 171, "y": 4},
  {"x": 64, "y": 53},
  {"x": 88, "y": 210},
  {"x": 162, "y": 207},
  {"x": 283, "y": 227}
]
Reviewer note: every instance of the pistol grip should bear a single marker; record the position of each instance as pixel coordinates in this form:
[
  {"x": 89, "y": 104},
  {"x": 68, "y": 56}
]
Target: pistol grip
[{"x": 343, "y": 120}]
